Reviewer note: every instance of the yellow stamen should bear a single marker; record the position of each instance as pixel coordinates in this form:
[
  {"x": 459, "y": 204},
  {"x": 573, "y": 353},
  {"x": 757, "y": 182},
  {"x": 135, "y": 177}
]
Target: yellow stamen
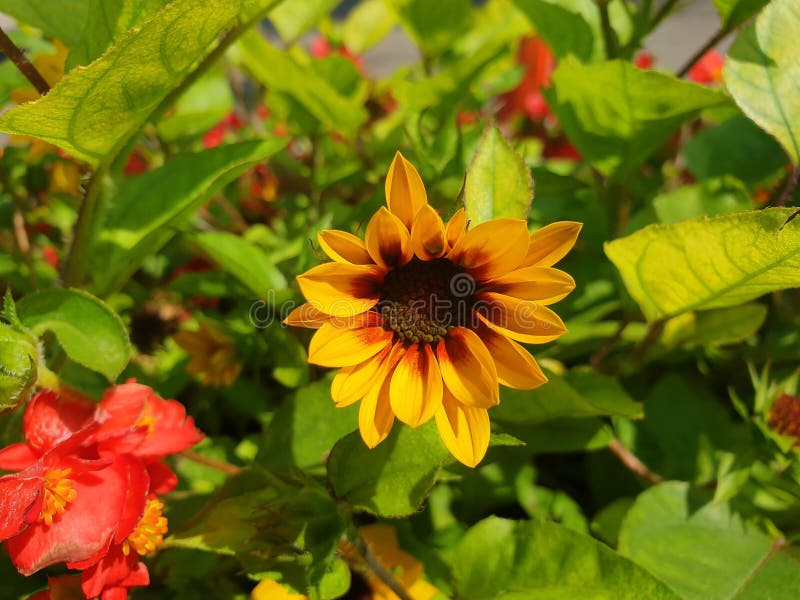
[
  {"x": 149, "y": 533},
  {"x": 58, "y": 492},
  {"x": 148, "y": 419}
]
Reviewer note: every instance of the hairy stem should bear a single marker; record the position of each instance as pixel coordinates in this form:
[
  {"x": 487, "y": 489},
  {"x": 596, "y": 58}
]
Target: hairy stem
[
  {"x": 633, "y": 464},
  {"x": 22, "y": 63},
  {"x": 73, "y": 269},
  {"x": 377, "y": 568},
  {"x": 48, "y": 380},
  {"x": 213, "y": 463}
]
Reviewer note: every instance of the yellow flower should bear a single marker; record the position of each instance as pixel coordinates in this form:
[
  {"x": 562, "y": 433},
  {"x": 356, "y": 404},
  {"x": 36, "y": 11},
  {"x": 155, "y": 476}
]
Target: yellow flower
[
  {"x": 212, "y": 353},
  {"x": 269, "y": 589},
  {"x": 65, "y": 178},
  {"x": 422, "y": 316}
]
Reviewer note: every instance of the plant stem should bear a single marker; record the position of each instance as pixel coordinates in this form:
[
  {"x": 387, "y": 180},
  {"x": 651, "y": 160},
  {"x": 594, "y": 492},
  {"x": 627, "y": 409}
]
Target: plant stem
[
  {"x": 213, "y": 463},
  {"x": 83, "y": 229},
  {"x": 662, "y": 13},
  {"x": 789, "y": 188},
  {"x": 609, "y": 35},
  {"x": 22, "y": 63},
  {"x": 24, "y": 244},
  {"x": 636, "y": 466},
  {"x": 596, "y": 361},
  {"x": 713, "y": 41},
  {"x": 377, "y": 568},
  {"x": 48, "y": 380},
  {"x": 650, "y": 338}
]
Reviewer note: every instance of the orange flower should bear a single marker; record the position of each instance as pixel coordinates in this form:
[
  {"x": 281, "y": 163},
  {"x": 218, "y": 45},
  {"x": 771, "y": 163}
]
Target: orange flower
[
  {"x": 269, "y": 589},
  {"x": 424, "y": 317}
]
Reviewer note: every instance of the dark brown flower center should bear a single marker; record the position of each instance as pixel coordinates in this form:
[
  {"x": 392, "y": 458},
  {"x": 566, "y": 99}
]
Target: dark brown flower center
[{"x": 423, "y": 300}]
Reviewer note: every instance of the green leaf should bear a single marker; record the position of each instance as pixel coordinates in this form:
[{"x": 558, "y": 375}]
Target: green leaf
[
  {"x": 19, "y": 360},
  {"x": 736, "y": 12},
  {"x": 565, "y": 434},
  {"x": 90, "y": 332},
  {"x": 65, "y": 20},
  {"x": 199, "y": 108},
  {"x": 107, "y": 21},
  {"x": 242, "y": 259},
  {"x": 92, "y": 112},
  {"x": 498, "y": 182},
  {"x": 271, "y": 525},
  {"x": 433, "y": 26},
  {"x": 392, "y": 479},
  {"x": 618, "y": 115},
  {"x": 293, "y": 18},
  {"x": 367, "y": 24},
  {"x": 729, "y": 148},
  {"x": 709, "y": 263},
  {"x": 762, "y": 71},
  {"x": 151, "y": 207},
  {"x": 715, "y": 327},
  {"x": 516, "y": 560},
  {"x": 281, "y": 72},
  {"x": 311, "y": 409},
  {"x": 711, "y": 198},
  {"x": 598, "y": 395},
  {"x": 704, "y": 550},
  {"x": 564, "y": 25}
]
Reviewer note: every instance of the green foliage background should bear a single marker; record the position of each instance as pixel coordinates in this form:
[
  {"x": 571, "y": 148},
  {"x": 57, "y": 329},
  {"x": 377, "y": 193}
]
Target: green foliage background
[{"x": 646, "y": 468}]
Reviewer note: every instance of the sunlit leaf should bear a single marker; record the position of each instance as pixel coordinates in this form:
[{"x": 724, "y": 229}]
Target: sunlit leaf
[
  {"x": 516, "y": 560},
  {"x": 92, "y": 112},
  {"x": 498, "y": 182},
  {"x": 709, "y": 263},
  {"x": 704, "y": 550},
  {"x": 762, "y": 71},
  {"x": 65, "y": 20}
]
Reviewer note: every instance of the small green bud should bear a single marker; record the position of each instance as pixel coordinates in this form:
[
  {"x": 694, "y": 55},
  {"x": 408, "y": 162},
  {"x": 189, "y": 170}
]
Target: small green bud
[{"x": 19, "y": 358}]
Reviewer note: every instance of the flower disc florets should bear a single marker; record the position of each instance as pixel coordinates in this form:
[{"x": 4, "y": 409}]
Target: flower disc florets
[{"x": 422, "y": 300}]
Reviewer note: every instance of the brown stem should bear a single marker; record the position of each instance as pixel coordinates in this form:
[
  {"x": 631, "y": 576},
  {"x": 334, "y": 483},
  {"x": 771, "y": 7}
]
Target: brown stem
[
  {"x": 650, "y": 338},
  {"x": 633, "y": 464},
  {"x": 378, "y": 569},
  {"x": 24, "y": 244},
  {"x": 597, "y": 360},
  {"x": 213, "y": 463},
  {"x": 788, "y": 189},
  {"x": 22, "y": 63},
  {"x": 662, "y": 13},
  {"x": 713, "y": 41}
]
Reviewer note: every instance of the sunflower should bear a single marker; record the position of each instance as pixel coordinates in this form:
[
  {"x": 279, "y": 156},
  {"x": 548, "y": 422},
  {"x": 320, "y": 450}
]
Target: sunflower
[{"x": 424, "y": 318}]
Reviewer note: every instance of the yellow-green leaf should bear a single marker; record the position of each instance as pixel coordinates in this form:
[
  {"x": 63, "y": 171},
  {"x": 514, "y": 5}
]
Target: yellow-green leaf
[
  {"x": 62, "y": 19},
  {"x": 762, "y": 73},
  {"x": 93, "y": 111},
  {"x": 709, "y": 263},
  {"x": 498, "y": 183}
]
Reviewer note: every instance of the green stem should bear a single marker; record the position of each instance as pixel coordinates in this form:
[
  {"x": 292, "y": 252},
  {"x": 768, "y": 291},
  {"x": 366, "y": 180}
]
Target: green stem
[
  {"x": 48, "y": 380},
  {"x": 662, "y": 13},
  {"x": 609, "y": 35},
  {"x": 83, "y": 229}
]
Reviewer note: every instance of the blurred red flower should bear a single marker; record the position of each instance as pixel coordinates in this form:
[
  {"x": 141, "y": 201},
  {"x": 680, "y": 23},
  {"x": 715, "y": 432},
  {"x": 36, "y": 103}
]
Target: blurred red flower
[
  {"x": 527, "y": 98},
  {"x": 708, "y": 69}
]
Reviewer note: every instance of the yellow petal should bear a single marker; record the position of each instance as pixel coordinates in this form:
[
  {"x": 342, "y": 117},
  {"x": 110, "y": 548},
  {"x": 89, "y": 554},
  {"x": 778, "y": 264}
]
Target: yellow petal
[
  {"x": 492, "y": 249},
  {"x": 375, "y": 416},
  {"x": 342, "y": 347},
  {"x": 344, "y": 247},
  {"x": 351, "y": 384},
  {"x": 545, "y": 285},
  {"x": 427, "y": 234},
  {"x": 456, "y": 227},
  {"x": 388, "y": 241},
  {"x": 306, "y": 315},
  {"x": 467, "y": 368},
  {"x": 415, "y": 391},
  {"x": 465, "y": 430},
  {"x": 516, "y": 368},
  {"x": 269, "y": 589},
  {"x": 405, "y": 192},
  {"x": 521, "y": 320},
  {"x": 341, "y": 290},
  {"x": 551, "y": 243}
]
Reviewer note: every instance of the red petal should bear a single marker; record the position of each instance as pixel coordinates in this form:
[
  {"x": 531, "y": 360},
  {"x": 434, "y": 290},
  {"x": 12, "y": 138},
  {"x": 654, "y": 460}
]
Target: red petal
[
  {"x": 17, "y": 457},
  {"x": 50, "y": 419},
  {"x": 162, "y": 479},
  {"x": 20, "y": 503}
]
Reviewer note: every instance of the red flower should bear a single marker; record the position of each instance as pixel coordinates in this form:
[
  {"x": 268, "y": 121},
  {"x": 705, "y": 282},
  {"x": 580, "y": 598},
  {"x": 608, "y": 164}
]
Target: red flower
[
  {"x": 708, "y": 69},
  {"x": 50, "y": 255},
  {"x": 61, "y": 588},
  {"x": 527, "y": 99},
  {"x": 644, "y": 60},
  {"x": 216, "y": 135},
  {"x": 321, "y": 47},
  {"x": 135, "y": 165}
]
